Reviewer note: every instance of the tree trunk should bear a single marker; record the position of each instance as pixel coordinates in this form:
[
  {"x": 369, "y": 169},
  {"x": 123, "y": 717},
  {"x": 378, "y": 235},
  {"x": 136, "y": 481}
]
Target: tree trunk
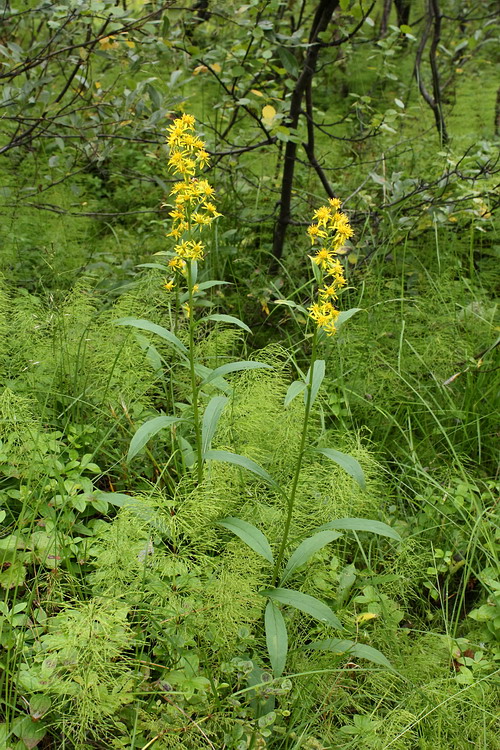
[{"x": 322, "y": 18}]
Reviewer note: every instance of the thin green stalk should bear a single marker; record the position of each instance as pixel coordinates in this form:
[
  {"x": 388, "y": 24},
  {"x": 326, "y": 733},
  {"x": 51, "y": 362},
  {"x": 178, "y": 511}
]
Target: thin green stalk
[
  {"x": 194, "y": 386},
  {"x": 298, "y": 466}
]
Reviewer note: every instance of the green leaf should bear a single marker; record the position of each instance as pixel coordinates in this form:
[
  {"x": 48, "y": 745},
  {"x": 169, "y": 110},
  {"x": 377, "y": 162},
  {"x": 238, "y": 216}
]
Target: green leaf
[
  {"x": 363, "y": 524},
  {"x": 117, "y": 499},
  {"x": 13, "y": 576},
  {"x": 244, "y": 462},
  {"x": 158, "y": 266},
  {"x": 30, "y": 732},
  {"x": 234, "y": 367},
  {"x": 294, "y": 390},
  {"x": 291, "y": 304},
  {"x": 289, "y": 61},
  {"x": 146, "y": 325},
  {"x": 344, "y": 315},
  {"x": 276, "y": 638},
  {"x": 228, "y": 319},
  {"x": 317, "y": 379},
  {"x": 250, "y": 535},
  {"x": 209, "y": 284},
  {"x": 308, "y": 604},
  {"x": 39, "y": 705},
  {"x": 360, "y": 650},
  {"x": 211, "y": 419},
  {"x": 348, "y": 463},
  {"x": 146, "y": 431},
  {"x": 306, "y": 549}
]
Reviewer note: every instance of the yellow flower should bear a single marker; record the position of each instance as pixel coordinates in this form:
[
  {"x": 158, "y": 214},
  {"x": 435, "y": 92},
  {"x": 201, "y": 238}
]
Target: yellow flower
[
  {"x": 333, "y": 229},
  {"x": 323, "y": 258},
  {"x": 169, "y": 285},
  {"x": 316, "y": 233},
  {"x": 177, "y": 263},
  {"x": 322, "y": 216},
  {"x": 192, "y": 209}
]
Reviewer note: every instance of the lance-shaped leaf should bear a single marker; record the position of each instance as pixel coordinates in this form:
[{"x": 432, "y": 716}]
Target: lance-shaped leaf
[
  {"x": 359, "y": 650},
  {"x": 244, "y": 463},
  {"x": 148, "y": 430},
  {"x": 317, "y": 378},
  {"x": 363, "y": 524},
  {"x": 344, "y": 315},
  {"x": 234, "y": 367},
  {"x": 209, "y": 284},
  {"x": 276, "y": 638},
  {"x": 211, "y": 419},
  {"x": 227, "y": 319},
  {"x": 348, "y": 463},
  {"x": 305, "y": 603},
  {"x": 294, "y": 389},
  {"x": 250, "y": 535},
  {"x": 307, "y": 549},
  {"x": 146, "y": 325}
]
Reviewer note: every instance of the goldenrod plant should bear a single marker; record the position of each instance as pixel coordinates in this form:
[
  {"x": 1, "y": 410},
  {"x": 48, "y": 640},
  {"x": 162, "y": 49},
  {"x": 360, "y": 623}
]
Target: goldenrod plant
[
  {"x": 331, "y": 228},
  {"x": 193, "y": 211}
]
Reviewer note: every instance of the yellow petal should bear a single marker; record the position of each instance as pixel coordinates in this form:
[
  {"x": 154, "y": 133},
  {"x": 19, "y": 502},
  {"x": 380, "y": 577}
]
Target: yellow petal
[{"x": 365, "y": 616}]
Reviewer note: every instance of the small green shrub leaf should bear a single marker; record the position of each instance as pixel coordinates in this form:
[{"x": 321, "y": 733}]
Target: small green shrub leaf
[
  {"x": 244, "y": 462},
  {"x": 234, "y": 367},
  {"x": 146, "y": 325},
  {"x": 146, "y": 431},
  {"x": 211, "y": 419},
  {"x": 289, "y": 61},
  {"x": 295, "y": 389},
  {"x": 306, "y": 549},
  {"x": 276, "y": 638},
  {"x": 348, "y": 463},
  {"x": 360, "y": 650},
  {"x": 39, "y": 705},
  {"x": 250, "y": 535},
  {"x": 118, "y": 499},
  {"x": 308, "y": 604},
  {"x": 317, "y": 378},
  {"x": 228, "y": 319},
  {"x": 362, "y": 524}
]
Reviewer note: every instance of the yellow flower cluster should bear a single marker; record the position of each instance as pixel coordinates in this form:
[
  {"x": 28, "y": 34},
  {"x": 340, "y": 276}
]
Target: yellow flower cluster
[
  {"x": 193, "y": 208},
  {"x": 330, "y": 229}
]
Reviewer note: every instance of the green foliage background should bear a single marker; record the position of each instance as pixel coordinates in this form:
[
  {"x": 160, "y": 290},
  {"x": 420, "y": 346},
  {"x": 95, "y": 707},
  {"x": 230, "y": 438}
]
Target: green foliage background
[{"x": 128, "y": 618}]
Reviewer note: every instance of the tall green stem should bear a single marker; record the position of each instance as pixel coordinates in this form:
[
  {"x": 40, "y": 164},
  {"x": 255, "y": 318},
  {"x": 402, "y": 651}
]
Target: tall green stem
[
  {"x": 298, "y": 465},
  {"x": 194, "y": 385}
]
